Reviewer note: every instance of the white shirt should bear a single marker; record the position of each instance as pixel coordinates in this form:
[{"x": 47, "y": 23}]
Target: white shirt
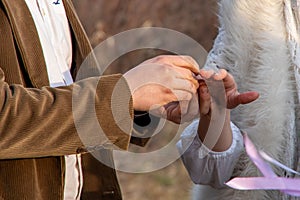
[
  {"x": 205, "y": 165},
  {"x": 53, "y": 29}
]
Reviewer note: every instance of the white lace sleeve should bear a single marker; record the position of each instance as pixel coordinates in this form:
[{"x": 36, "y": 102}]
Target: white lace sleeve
[
  {"x": 214, "y": 168},
  {"x": 216, "y": 57}
]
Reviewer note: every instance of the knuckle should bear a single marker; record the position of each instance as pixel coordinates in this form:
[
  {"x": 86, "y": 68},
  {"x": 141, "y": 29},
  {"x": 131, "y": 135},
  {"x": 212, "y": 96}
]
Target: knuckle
[
  {"x": 168, "y": 90},
  {"x": 192, "y": 87},
  {"x": 166, "y": 70},
  {"x": 188, "y": 58},
  {"x": 161, "y": 58},
  {"x": 188, "y": 96},
  {"x": 169, "y": 93}
]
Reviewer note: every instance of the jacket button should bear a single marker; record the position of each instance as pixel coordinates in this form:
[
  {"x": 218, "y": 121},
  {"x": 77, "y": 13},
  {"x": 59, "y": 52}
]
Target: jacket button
[{"x": 109, "y": 193}]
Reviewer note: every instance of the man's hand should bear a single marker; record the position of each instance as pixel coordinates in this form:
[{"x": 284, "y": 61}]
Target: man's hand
[
  {"x": 174, "y": 114},
  {"x": 162, "y": 80}
]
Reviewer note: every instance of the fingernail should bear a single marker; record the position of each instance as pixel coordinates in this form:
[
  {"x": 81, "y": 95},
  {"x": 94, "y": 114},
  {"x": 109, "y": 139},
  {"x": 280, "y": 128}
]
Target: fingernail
[{"x": 198, "y": 77}]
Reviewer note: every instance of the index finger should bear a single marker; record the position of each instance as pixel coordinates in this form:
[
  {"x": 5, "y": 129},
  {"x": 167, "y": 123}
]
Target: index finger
[
  {"x": 184, "y": 61},
  {"x": 222, "y": 74}
]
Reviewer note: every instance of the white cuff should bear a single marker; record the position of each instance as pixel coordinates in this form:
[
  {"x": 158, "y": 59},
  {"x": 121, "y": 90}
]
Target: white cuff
[
  {"x": 190, "y": 139},
  {"x": 205, "y": 166}
]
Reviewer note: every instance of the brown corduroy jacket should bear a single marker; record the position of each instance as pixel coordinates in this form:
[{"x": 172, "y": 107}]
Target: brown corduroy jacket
[{"x": 36, "y": 123}]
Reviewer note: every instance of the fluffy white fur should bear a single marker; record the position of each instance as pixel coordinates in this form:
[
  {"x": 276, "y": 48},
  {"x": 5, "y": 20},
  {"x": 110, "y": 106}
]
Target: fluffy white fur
[{"x": 252, "y": 45}]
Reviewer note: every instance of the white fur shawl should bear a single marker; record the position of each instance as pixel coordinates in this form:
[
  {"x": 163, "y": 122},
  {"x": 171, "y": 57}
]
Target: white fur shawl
[{"x": 254, "y": 46}]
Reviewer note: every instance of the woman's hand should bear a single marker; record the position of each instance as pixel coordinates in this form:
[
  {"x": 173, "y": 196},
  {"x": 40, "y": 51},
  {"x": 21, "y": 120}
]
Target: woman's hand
[{"x": 233, "y": 99}]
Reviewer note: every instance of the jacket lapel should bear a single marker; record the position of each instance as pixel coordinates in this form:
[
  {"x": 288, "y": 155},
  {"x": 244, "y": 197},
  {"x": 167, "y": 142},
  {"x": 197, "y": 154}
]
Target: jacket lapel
[
  {"x": 27, "y": 40},
  {"x": 79, "y": 33},
  {"x": 81, "y": 45}
]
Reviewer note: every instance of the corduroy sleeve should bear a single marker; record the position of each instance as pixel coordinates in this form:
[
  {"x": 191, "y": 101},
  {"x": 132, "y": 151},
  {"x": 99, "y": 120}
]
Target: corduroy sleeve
[{"x": 92, "y": 113}]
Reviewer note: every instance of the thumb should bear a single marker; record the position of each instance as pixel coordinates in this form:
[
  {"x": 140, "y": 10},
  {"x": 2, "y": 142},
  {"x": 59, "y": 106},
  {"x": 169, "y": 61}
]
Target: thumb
[{"x": 243, "y": 98}]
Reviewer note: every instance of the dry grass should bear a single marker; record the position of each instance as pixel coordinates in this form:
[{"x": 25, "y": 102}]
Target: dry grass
[{"x": 169, "y": 183}]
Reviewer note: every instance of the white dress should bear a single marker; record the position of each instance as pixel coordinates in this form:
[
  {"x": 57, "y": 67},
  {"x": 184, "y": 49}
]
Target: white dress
[{"x": 258, "y": 43}]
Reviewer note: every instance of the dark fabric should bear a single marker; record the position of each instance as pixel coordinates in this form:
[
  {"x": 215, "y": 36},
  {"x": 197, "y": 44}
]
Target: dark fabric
[
  {"x": 144, "y": 126},
  {"x": 96, "y": 186}
]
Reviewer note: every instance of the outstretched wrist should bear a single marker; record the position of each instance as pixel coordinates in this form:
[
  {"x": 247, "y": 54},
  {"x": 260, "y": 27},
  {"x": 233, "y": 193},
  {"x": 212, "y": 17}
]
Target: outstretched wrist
[{"x": 224, "y": 140}]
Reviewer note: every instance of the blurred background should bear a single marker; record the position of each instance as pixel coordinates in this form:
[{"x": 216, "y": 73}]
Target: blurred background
[{"x": 195, "y": 18}]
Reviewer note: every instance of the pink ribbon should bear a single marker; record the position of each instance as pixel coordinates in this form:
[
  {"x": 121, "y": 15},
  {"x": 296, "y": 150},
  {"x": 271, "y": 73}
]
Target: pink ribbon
[{"x": 269, "y": 181}]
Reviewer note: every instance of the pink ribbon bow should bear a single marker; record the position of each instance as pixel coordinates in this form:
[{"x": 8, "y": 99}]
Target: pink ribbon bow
[{"x": 269, "y": 181}]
